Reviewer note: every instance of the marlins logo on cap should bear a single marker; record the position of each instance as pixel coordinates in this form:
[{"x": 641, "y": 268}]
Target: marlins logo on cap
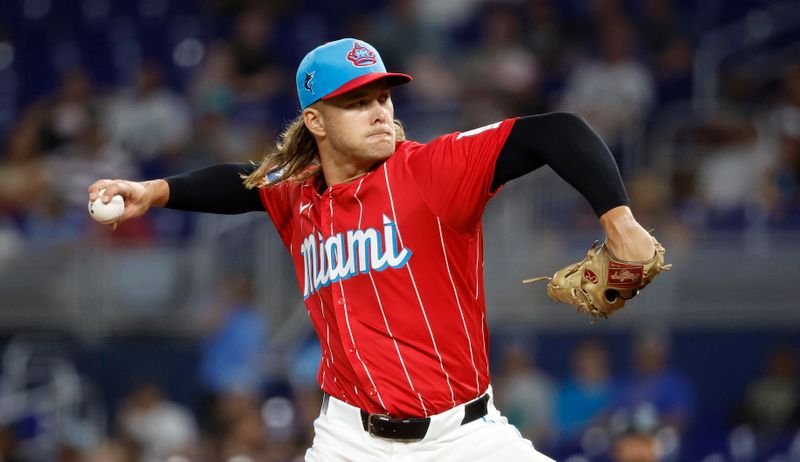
[
  {"x": 308, "y": 84},
  {"x": 337, "y": 67}
]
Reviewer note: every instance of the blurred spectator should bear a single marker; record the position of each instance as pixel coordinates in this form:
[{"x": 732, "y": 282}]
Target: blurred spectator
[
  {"x": 240, "y": 91},
  {"x": 673, "y": 71},
  {"x": 527, "y": 395},
  {"x": 69, "y": 453},
  {"x": 11, "y": 243},
  {"x": 663, "y": 31},
  {"x": 585, "y": 21},
  {"x": 150, "y": 121},
  {"x": 733, "y": 171},
  {"x": 544, "y": 34},
  {"x": 614, "y": 91},
  {"x": 115, "y": 451},
  {"x": 215, "y": 96},
  {"x": 256, "y": 75},
  {"x": 304, "y": 365},
  {"x": 232, "y": 356},
  {"x": 784, "y": 192},
  {"x": 242, "y": 433},
  {"x": 649, "y": 193},
  {"x": 21, "y": 171},
  {"x": 739, "y": 88},
  {"x": 214, "y": 89},
  {"x": 84, "y": 160},
  {"x": 54, "y": 152},
  {"x": 772, "y": 401},
  {"x": 159, "y": 427},
  {"x": 52, "y": 220},
  {"x": 657, "y": 395},
  {"x": 658, "y": 201},
  {"x": 788, "y": 109},
  {"x": 72, "y": 111},
  {"x": 400, "y": 34},
  {"x": 9, "y": 79},
  {"x": 308, "y": 401},
  {"x": 501, "y": 76},
  {"x": 218, "y": 139},
  {"x": 635, "y": 447},
  {"x": 435, "y": 103},
  {"x": 659, "y": 24},
  {"x": 22, "y": 182},
  {"x": 446, "y": 14},
  {"x": 245, "y": 438},
  {"x": 587, "y": 394},
  {"x": 302, "y": 374},
  {"x": 8, "y": 444}
]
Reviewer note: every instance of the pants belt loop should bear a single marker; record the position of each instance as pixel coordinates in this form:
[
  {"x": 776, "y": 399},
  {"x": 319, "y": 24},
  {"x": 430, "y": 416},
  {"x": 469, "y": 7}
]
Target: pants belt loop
[{"x": 325, "y": 400}]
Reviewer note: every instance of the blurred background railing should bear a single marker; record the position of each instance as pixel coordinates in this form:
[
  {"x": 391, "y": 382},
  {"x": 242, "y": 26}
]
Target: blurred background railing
[{"x": 93, "y": 288}]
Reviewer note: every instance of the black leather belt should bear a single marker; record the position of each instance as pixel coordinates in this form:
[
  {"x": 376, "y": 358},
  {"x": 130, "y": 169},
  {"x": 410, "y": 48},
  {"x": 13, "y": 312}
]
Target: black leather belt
[{"x": 383, "y": 426}]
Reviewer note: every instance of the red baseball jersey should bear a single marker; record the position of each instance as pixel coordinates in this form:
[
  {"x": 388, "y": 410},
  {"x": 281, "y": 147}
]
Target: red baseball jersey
[{"x": 390, "y": 266}]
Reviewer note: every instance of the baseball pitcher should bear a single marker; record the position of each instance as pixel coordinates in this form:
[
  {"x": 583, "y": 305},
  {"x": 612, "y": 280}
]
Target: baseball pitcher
[{"x": 385, "y": 236}]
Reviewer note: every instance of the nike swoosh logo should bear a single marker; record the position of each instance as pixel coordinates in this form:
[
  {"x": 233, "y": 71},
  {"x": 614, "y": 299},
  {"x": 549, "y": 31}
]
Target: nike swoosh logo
[{"x": 303, "y": 207}]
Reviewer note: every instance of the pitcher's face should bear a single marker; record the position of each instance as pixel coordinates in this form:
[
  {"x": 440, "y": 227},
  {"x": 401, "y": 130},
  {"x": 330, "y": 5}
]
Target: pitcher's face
[{"x": 360, "y": 123}]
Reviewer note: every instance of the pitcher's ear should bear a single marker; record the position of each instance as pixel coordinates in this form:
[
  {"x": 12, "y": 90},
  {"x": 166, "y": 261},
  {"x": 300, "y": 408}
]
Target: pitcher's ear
[{"x": 314, "y": 120}]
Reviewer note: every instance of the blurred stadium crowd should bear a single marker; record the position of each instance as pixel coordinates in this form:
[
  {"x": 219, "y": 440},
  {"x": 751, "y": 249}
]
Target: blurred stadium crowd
[
  {"x": 232, "y": 397},
  {"x": 140, "y": 89}
]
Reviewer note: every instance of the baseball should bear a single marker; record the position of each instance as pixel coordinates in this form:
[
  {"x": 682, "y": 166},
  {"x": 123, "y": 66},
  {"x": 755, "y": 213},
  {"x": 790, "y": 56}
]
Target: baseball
[{"x": 106, "y": 212}]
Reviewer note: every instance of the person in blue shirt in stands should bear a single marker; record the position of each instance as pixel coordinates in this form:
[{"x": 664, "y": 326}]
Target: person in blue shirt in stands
[
  {"x": 656, "y": 392},
  {"x": 587, "y": 395}
]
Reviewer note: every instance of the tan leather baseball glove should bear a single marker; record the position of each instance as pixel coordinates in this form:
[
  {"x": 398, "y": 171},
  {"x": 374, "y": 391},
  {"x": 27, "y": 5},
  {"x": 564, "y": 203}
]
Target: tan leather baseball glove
[{"x": 600, "y": 284}]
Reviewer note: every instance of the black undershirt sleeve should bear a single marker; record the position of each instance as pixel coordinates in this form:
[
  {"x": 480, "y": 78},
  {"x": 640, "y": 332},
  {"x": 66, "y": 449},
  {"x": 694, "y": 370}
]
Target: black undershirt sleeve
[
  {"x": 563, "y": 141},
  {"x": 567, "y": 144},
  {"x": 215, "y": 189}
]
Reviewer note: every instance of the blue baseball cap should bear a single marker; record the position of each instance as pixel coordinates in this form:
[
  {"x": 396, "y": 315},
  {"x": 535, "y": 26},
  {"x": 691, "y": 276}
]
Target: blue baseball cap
[{"x": 337, "y": 67}]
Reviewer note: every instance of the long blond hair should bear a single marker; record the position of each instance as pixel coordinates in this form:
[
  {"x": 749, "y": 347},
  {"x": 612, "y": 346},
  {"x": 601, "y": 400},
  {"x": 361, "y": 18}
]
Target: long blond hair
[{"x": 295, "y": 157}]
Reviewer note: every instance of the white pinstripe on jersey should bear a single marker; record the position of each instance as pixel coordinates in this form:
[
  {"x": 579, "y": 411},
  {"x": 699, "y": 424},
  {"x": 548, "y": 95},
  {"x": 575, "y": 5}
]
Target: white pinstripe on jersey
[
  {"x": 416, "y": 289},
  {"x": 383, "y": 313},
  {"x": 321, "y": 303},
  {"x": 322, "y": 311},
  {"x": 458, "y": 304},
  {"x": 477, "y": 289},
  {"x": 349, "y": 329},
  {"x": 477, "y": 260},
  {"x": 483, "y": 342}
]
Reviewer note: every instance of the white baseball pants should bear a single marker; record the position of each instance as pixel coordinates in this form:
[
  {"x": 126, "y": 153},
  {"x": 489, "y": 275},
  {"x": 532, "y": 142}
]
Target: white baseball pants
[{"x": 340, "y": 437}]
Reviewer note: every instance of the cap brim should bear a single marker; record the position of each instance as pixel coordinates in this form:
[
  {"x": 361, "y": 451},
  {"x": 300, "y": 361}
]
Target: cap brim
[{"x": 393, "y": 78}]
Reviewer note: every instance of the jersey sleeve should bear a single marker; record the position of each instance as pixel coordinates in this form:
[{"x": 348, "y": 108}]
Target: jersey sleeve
[
  {"x": 454, "y": 173},
  {"x": 278, "y": 204}
]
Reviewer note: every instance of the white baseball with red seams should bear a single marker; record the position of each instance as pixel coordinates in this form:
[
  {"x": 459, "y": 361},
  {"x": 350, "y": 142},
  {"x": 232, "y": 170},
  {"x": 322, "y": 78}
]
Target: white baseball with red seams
[{"x": 105, "y": 212}]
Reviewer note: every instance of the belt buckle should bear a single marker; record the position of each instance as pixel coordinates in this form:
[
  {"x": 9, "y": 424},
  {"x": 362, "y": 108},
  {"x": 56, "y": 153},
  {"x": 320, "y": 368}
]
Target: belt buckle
[{"x": 386, "y": 417}]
